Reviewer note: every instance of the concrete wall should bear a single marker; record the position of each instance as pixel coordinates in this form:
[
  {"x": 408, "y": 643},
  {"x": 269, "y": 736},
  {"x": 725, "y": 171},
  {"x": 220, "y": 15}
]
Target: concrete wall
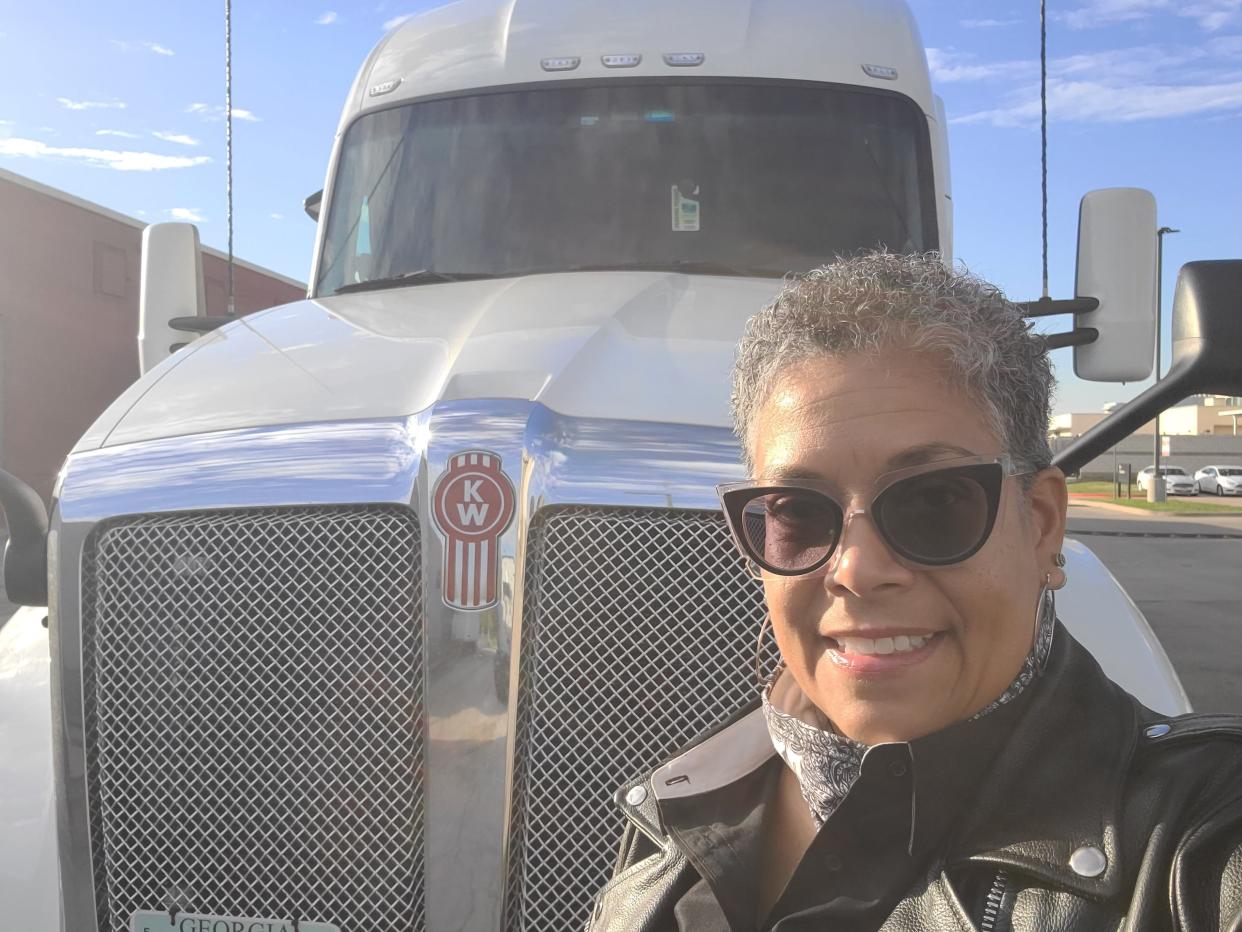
[
  {"x": 69, "y": 318},
  {"x": 1191, "y": 453}
]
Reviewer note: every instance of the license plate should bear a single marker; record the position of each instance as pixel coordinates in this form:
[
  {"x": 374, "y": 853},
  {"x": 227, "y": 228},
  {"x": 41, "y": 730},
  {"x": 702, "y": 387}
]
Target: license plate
[{"x": 146, "y": 921}]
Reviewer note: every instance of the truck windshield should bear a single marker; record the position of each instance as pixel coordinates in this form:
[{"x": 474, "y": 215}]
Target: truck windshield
[{"x": 718, "y": 178}]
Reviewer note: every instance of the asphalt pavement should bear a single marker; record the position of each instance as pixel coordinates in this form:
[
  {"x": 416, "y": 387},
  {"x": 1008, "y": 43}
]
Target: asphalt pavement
[{"x": 1185, "y": 575}]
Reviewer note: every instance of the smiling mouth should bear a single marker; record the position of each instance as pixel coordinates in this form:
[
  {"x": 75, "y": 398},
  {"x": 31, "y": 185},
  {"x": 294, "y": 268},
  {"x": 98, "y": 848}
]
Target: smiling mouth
[{"x": 874, "y": 655}]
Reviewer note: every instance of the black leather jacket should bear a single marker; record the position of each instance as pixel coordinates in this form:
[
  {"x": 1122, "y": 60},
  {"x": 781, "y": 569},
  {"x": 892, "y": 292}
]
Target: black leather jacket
[{"x": 1077, "y": 808}]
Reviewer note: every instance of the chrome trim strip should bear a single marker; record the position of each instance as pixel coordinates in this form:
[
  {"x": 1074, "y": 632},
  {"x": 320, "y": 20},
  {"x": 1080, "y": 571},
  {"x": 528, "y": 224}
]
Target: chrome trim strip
[{"x": 336, "y": 463}]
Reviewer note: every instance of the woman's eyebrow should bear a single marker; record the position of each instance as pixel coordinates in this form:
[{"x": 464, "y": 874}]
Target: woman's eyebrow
[
  {"x": 926, "y": 453},
  {"x": 781, "y": 473},
  {"x": 911, "y": 456}
]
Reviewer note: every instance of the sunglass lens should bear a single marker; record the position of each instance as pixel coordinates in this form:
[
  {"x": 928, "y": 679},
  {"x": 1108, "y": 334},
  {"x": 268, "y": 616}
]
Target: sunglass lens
[
  {"x": 791, "y": 530},
  {"x": 935, "y": 518}
]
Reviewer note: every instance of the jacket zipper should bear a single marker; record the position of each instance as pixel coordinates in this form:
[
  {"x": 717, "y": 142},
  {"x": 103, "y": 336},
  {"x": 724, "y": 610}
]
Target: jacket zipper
[{"x": 992, "y": 906}]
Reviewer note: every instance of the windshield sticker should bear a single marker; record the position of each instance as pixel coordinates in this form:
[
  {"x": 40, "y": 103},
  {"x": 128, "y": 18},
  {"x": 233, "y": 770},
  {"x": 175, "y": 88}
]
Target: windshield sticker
[
  {"x": 686, "y": 207},
  {"x": 473, "y": 503}
]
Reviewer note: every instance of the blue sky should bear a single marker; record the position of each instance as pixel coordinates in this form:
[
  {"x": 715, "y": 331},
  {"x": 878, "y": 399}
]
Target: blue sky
[{"x": 127, "y": 104}]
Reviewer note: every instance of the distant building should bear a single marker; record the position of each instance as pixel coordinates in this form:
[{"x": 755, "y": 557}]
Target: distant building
[
  {"x": 69, "y": 318},
  {"x": 1197, "y": 415}
]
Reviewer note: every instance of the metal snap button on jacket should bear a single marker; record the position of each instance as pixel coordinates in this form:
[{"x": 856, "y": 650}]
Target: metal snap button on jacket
[
  {"x": 1158, "y": 731},
  {"x": 1088, "y": 861},
  {"x": 636, "y": 796}
]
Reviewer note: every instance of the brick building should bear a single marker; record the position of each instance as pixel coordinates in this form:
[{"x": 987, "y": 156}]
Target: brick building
[{"x": 69, "y": 277}]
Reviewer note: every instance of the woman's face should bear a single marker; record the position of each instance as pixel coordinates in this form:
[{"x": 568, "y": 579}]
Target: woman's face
[{"x": 849, "y": 421}]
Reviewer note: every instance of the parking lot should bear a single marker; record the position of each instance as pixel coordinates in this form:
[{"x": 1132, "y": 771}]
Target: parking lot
[{"x": 1184, "y": 575}]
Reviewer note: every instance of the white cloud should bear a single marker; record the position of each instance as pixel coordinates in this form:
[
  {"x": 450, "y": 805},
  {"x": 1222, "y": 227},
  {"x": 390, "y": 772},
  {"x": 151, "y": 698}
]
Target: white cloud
[
  {"x": 1211, "y": 15},
  {"x": 140, "y": 213},
  {"x": 1112, "y": 85},
  {"x": 154, "y": 47},
  {"x": 1098, "y": 102},
  {"x": 277, "y": 216},
  {"x": 948, "y": 66},
  {"x": 90, "y": 104},
  {"x": 180, "y": 139},
  {"x": 116, "y": 132},
  {"x": 125, "y": 161},
  {"x": 188, "y": 214},
  {"x": 988, "y": 23},
  {"x": 326, "y": 19},
  {"x": 396, "y": 21},
  {"x": 214, "y": 113}
]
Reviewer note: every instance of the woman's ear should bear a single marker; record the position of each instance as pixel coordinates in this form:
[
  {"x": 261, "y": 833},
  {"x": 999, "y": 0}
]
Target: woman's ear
[{"x": 1047, "y": 501}]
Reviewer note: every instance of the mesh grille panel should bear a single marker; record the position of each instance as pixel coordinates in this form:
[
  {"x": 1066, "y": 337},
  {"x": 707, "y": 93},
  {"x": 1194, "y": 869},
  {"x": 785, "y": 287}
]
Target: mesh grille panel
[
  {"x": 254, "y": 715},
  {"x": 638, "y": 633}
]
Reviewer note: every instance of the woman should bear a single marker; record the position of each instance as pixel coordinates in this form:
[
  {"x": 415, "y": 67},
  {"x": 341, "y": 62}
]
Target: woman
[{"x": 934, "y": 750}]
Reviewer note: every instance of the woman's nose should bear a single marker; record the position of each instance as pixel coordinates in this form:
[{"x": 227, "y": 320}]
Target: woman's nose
[{"x": 864, "y": 562}]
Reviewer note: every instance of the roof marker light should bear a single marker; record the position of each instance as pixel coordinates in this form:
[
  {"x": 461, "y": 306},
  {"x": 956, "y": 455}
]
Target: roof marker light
[
  {"x": 883, "y": 72},
  {"x": 565, "y": 63},
  {"x": 386, "y": 88},
  {"x": 684, "y": 59},
  {"x": 621, "y": 61}
]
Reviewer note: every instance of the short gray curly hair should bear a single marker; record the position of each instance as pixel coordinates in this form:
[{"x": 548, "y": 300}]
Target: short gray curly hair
[{"x": 880, "y": 301}]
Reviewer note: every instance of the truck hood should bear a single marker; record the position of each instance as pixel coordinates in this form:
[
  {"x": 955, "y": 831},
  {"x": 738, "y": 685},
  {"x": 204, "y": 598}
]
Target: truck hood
[{"x": 629, "y": 345}]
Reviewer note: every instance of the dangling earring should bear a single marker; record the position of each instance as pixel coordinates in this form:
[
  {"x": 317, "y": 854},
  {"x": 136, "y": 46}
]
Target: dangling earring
[
  {"x": 767, "y": 620},
  {"x": 1046, "y": 617},
  {"x": 1047, "y": 605}
]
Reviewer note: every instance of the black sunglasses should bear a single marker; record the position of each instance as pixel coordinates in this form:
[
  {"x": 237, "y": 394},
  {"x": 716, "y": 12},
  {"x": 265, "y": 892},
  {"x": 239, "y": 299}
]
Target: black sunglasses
[{"x": 935, "y": 514}]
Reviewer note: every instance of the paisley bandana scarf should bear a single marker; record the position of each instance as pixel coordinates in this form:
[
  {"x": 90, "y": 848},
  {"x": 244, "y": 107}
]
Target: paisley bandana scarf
[{"x": 826, "y": 763}]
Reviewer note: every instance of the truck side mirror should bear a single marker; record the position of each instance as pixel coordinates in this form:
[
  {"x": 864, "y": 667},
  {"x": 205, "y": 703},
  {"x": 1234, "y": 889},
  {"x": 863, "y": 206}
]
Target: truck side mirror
[
  {"x": 1207, "y": 344},
  {"x": 1117, "y": 267},
  {"x": 171, "y": 287},
  {"x": 25, "y": 554},
  {"x": 311, "y": 204}
]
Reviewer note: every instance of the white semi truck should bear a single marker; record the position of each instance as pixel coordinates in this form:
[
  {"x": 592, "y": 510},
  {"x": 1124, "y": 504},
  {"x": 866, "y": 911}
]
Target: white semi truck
[{"x": 352, "y": 613}]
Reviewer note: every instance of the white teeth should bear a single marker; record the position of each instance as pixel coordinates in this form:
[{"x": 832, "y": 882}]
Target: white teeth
[{"x": 894, "y": 645}]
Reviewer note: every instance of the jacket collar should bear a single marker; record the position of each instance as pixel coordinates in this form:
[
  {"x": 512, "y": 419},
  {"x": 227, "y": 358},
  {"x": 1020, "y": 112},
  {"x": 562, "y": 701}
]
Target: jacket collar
[
  {"x": 1057, "y": 786},
  {"x": 1076, "y": 730}
]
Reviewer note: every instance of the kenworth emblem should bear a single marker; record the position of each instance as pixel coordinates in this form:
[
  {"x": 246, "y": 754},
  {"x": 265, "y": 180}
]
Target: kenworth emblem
[{"x": 472, "y": 503}]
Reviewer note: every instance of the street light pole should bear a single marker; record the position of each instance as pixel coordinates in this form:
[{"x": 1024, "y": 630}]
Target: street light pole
[{"x": 1156, "y": 487}]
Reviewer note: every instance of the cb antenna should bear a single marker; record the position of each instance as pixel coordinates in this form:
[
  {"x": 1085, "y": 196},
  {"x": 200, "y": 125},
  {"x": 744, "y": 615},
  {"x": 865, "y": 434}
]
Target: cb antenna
[
  {"x": 1043, "y": 127},
  {"x": 231, "y": 310},
  {"x": 1045, "y": 306}
]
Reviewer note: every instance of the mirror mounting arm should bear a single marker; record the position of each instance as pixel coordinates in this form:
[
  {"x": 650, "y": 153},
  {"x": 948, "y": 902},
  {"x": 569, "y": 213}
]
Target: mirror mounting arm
[
  {"x": 1125, "y": 420},
  {"x": 1079, "y": 336},
  {"x": 1047, "y": 307},
  {"x": 200, "y": 324}
]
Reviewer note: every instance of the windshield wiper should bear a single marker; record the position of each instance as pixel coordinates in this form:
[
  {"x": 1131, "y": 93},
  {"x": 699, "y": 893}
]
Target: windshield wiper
[
  {"x": 685, "y": 266},
  {"x": 421, "y": 277}
]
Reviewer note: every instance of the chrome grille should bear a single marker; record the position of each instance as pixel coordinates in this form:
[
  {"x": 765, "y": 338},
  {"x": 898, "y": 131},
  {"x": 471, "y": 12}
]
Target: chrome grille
[
  {"x": 254, "y": 715},
  {"x": 638, "y": 633}
]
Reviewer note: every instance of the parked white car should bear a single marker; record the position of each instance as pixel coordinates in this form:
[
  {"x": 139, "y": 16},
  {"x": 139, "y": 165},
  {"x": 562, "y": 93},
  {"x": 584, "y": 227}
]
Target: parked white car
[
  {"x": 1176, "y": 480},
  {"x": 1220, "y": 480}
]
